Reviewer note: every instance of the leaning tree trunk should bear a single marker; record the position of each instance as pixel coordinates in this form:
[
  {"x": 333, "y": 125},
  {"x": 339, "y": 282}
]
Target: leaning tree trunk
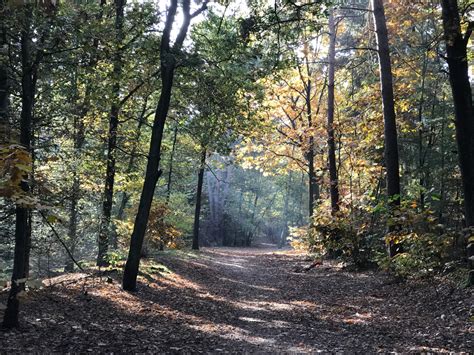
[
  {"x": 22, "y": 227},
  {"x": 456, "y": 46},
  {"x": 197, "y": 211},
  {"x": 168, "y": 66},
  {"x": 104, "y": 230},
  {"x": 390, "y": 126},
  {"x": 334, "y": 180}
]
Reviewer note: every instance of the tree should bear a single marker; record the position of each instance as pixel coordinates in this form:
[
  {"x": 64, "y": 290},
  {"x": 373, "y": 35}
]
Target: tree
[
  {"x": 197, "y": 213},
  {"x": 81, "y": 110},
  {"x": 333, "y": 175},
  {"x": 388, "y": 103},
  {"x": 456, "y": 48},
  {"x": 104, "y": 232},
  {"x": 168, "y": 65},
  {"x": 29, "y": 65},
  {"x": 4, "y": 82}
]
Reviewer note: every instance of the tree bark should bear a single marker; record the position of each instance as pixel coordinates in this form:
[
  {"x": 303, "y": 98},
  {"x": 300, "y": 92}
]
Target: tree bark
[
  {"x": 170, "y": 171},
  {"x": 456, "y": 47},
  {"x": 197, "y": 211},
  {"x": 131, "y": 163},
  {"x": 334, "y": 179},
  {"x": 312, "y": 181},
  {"x": 168, "y": 66},
  {"x": 4, "y": 82},
  {"x": 104, "y": 230},
  {"x": 421, "y": 152},
  {"x": 72, "y": 227},
  {"x": 390, "y": 126},
  {"x": 248, "y": 240},
  {"x": 79, "y": 139},
  {"x": 22, "y": 227}
]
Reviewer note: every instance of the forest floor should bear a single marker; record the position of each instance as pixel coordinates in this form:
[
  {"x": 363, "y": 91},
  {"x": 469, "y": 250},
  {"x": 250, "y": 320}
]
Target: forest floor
[{"x": 243, "y": 300}]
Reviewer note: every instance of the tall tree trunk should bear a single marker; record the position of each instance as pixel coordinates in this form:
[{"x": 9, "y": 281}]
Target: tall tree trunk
[
  {"x": 334, "y": 180},
  {"x": 4, "y": 83},
  {"x": 170, "y": 171},
  {"x": 312, "y": 180},
  {"x": 132, "y": 162},
  {"x": 197, "y": 211},
  {"x": 442, "y": 149},
  {"x": 456, "y": 46},
  {"x": 72, "y": 227},
  {"x": 22, "y": 227},
  {"x": 168, "y": 66},
  {"x": 313, "y": 183},
  {"x": 79, "y": 139},
  {"x": 390, "y": 126},
  {"x": 248, "y": 241},
  {"x": 284, "y": 231},
  {"x": 104, "y": 230},
  {"x": 421, "y": 160}
]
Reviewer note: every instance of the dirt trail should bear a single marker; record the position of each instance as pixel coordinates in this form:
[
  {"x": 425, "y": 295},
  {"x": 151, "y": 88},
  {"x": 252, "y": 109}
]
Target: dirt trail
[{"x": 246, "y": 300}]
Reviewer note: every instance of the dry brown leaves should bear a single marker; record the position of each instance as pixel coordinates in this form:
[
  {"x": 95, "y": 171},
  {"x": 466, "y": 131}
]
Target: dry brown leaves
[{"x": 244, "y": 300}]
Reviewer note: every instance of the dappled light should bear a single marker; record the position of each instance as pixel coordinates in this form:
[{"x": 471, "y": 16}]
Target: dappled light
[
  {"x": 265, "y": 307},
  {"x": 236, "y": 176}
]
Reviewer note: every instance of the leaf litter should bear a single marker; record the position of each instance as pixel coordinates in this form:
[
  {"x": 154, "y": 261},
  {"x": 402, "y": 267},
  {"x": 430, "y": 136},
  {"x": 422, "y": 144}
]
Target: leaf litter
[{"x": 243, "y": 300}]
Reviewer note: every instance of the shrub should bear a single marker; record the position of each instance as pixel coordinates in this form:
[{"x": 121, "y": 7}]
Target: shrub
[
  {"x": 426, "y": 245},
  {"x": 358, "y": 235}
]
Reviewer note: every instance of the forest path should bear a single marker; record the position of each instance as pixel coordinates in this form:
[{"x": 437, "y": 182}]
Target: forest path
[{"x": 245, "y": 300}]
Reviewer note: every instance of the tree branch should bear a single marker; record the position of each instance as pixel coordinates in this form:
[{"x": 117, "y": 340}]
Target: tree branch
[
  {"x": 136, "y": 88},
  {"x": 56, "y": 234}
]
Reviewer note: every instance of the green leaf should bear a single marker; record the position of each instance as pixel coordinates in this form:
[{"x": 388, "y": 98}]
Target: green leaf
[{"x": 52, "y": 219}]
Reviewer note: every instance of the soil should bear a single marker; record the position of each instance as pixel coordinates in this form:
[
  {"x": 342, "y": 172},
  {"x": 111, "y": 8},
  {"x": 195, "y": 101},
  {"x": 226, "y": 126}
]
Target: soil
[{"x": 244, "y": 300}]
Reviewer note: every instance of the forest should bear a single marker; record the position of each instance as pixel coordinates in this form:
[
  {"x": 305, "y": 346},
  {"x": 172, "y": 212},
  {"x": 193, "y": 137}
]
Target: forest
[{"x": 256, "y": 176}]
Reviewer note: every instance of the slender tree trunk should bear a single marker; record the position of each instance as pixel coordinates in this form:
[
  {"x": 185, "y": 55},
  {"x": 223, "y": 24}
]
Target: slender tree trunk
[
  {"x": 104, "y": 231},
  {"x": 131, "y": 163},
  {"x": 197, "y": 211},
  {"x": 443, "y": 166},
  {"x": 456, "y": 46},
  {"x": 72, "y": 228},
  {"x": 22, "y": 227},
  {"x": 421, "y": 161},
  {"x": 284, "y": 231},
  {"x": 79, "y": 139},
  {"x": 4, "y": 83},
  {"x": 334, "y": 179},
  {"x": 248, "y": 241},
  {"x": 390, "y": 126},
  {"x": 170, "y": 171},
  {"x": 301, "y": 196},
  {"x": 312, "y": 181},
  {"x": 168, "y": 66}
]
